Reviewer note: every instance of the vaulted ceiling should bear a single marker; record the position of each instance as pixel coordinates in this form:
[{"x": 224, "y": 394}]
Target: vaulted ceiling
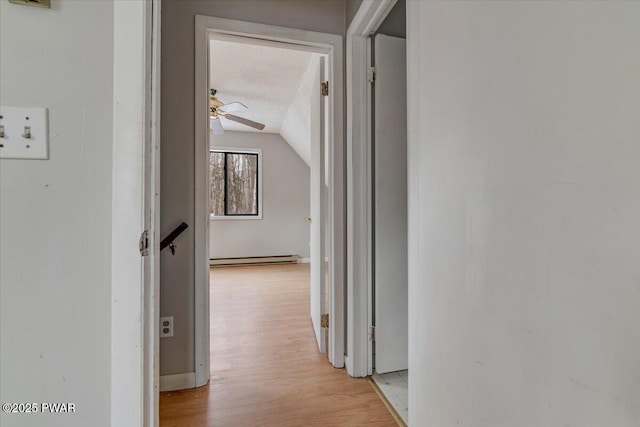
[{"x": 275, "y": 83}]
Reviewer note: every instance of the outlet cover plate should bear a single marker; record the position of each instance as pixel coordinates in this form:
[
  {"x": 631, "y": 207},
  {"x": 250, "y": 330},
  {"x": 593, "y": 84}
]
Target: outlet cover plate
[
  {"x": 15, "y": 122},
  {"x": 166, "y": 327}
]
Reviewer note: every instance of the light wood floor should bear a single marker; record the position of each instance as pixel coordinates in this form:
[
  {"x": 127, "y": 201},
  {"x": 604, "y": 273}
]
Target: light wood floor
[{"x": 265, "y": 365}]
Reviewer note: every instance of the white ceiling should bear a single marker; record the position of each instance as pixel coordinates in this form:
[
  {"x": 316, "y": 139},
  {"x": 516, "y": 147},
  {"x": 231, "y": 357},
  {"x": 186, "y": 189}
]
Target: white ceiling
[
  {"x": 296, "y": 127},
  {"x": 264, "y": 78}
]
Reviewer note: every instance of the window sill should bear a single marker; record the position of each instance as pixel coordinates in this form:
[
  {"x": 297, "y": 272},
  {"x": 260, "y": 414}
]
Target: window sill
[{"x": 233, "y": 218}]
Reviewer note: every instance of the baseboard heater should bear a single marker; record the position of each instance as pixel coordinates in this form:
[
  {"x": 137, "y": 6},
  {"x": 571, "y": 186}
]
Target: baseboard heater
[{"x": 258, "y": 260}]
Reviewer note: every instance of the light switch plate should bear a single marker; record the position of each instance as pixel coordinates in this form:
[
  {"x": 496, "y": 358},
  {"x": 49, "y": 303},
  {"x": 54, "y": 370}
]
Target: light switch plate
[
  {"x": 24, "y": 133},
  {"x": 38, "y": 3}
]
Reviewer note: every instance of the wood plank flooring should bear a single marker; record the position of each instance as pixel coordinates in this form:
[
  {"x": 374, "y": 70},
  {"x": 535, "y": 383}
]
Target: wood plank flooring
[{"x": 265, "y": 365}]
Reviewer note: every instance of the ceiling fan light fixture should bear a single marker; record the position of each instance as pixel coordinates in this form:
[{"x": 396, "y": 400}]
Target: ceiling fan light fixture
[
  {"x": 219, "y": 109},
  {"x": 244, "y": 121},
  {"x": 232, "y": 107},
  {"x": 215, "y": 126}
]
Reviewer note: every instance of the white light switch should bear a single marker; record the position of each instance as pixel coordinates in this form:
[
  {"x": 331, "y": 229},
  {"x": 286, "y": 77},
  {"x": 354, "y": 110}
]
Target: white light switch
[{"x": 24, "y": 133}]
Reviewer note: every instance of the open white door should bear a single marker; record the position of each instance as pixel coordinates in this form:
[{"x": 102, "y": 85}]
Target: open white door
[
  {"x": 318, "y": 198},
  {"x": 390, "y": 205}
]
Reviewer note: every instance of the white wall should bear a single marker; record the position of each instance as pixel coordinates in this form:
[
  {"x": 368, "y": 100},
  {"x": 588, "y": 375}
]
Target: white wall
[
  {"x": 55, "y": 215},
  {"x": 285, "y": 203},
  {"x": 524, "y": 153}
]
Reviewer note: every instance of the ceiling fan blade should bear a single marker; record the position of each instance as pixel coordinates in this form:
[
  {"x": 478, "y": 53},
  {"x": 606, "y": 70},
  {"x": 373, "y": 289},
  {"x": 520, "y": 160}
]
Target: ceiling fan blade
[
  {"x": 232, "y": 106},
  {"x": 216, "y": 126},
  {"x": 244, "y": 121}
]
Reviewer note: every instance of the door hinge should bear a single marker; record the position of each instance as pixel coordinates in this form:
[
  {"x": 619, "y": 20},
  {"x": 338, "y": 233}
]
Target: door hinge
[
  {"x": 372, "y": 333},
  {"x": 371, "y": 74},
  {"x": 144, "y": 243},
  {"x": 324, "y": 321},
  {"x": 324, "y": 88}
]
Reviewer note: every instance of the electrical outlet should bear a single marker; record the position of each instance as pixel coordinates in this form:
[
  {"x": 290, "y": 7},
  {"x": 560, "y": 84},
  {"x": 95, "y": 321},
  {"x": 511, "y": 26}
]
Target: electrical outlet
[{"x": 166, "y": 327}]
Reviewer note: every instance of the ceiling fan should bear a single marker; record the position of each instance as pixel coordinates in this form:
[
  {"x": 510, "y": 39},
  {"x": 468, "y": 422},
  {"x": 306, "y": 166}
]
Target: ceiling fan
[{"x": 219, "y": 109}]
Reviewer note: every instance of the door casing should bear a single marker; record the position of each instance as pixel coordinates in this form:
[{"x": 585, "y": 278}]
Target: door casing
[
  {"x": 359, "y": 254},
  {"x": 135, "y": 208},
  {"x": 331, "y": 44}
]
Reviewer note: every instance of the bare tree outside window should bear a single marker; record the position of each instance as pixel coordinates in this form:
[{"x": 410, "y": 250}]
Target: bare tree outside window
[
  {"x": 216, "y": 190},
  {"x": 234, "y": 183}
]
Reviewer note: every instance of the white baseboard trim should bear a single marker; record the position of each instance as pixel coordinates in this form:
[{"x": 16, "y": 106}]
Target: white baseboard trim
[
  {"x": 177, "y": 381},
  {"x": 308, "y": 260},
  {"x": 256, "y": 260},
  {"x": 348, "y": 365}
]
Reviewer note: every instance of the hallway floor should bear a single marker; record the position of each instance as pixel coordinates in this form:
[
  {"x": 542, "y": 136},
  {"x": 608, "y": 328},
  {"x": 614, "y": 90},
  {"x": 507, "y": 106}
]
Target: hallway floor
[
  {"x": 395, "y": 387},
  {"x": 265, "y": 365}
]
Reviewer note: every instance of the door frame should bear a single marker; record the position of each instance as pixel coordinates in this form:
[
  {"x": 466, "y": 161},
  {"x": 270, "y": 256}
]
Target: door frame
[
  {"x": 367, "y": 20},
  {"x": 135, "y": 208},
  {"x": 332, "y": 45}
]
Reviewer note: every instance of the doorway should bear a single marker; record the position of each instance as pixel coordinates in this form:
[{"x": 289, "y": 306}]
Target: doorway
[
  {"x": 378, "y": 293},
  {"x": 388, "y": 95},
  {"x": 268, "y": 183},
  {"x": 207, "y": 29},
  {"x": 390, "y": 355}
]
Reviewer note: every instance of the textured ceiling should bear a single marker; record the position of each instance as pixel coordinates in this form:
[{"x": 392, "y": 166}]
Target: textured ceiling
[
  {"x": 296, "y": 127},
  {"x": 264, "y": 78}
]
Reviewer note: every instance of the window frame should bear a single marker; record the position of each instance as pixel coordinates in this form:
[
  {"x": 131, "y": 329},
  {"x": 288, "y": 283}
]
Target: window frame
[{"x": 255, "y": 151}]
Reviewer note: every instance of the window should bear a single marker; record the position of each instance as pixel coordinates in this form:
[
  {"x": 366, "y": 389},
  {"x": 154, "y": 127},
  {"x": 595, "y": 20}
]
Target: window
[{"x": 235, "y": 184}]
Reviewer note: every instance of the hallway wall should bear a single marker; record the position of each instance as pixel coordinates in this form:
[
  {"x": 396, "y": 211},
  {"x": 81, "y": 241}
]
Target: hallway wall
[
  {"x": 56, "y": 221},
  {"x": 352, "y": 7},
  {"x": 177, "y": 181},
  {"x": 524, "y": 150}
]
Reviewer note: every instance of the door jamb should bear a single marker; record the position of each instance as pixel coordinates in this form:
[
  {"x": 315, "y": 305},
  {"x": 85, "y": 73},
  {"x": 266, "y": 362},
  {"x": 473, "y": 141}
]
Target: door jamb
[
  {"x": 205, "y": 25},
  {"x": 367, "y": 20},
  {"x": 151, "y": 416},
  {"x": 135, "y": 207}
]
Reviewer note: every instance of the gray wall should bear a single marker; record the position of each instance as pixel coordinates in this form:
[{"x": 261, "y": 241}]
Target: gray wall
[
  {"x": 395, "y": 24},
  {"x": 177, "y": 180},
  {"x": 55, "y": 221},
  {"x": 352, "y": 9},
  {"x": 285, "y": 188},
  {"x": 524, "y": 141}
]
